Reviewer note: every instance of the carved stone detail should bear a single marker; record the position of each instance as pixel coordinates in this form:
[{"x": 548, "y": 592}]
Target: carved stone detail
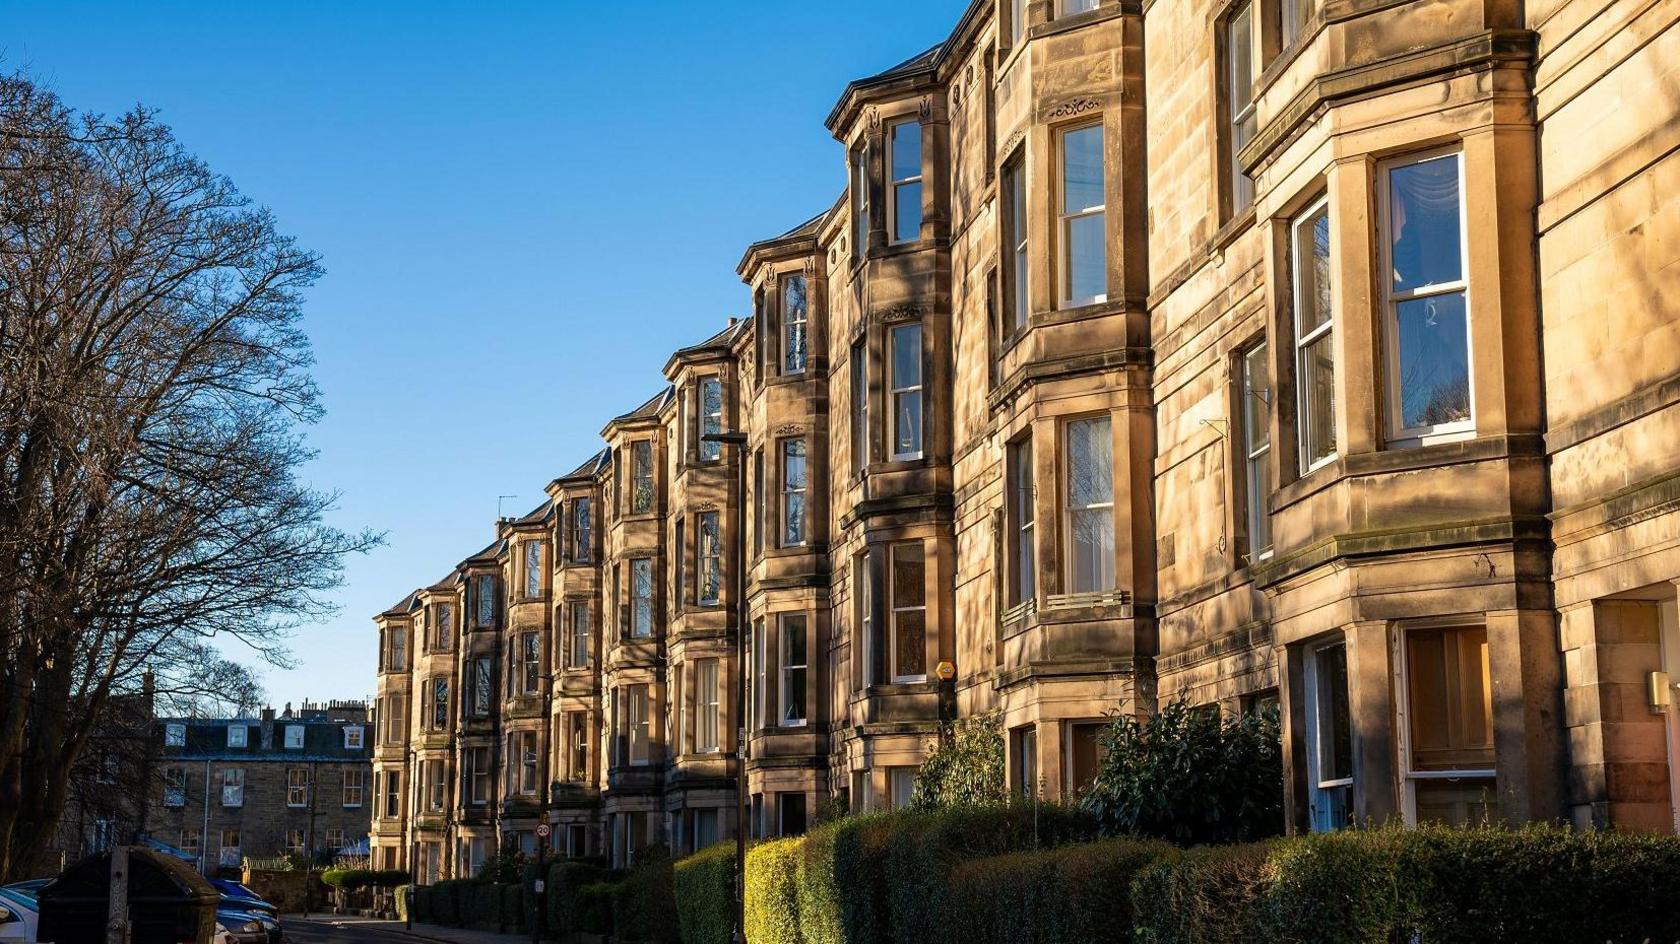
[
  {"x": 1078, "y": 106},
  {"x": 904, "y": 312},
  {"x": 790, "y": 429}
]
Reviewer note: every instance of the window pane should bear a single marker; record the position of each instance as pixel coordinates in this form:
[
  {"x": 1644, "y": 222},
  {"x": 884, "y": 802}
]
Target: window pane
[
  {"x": 1426, "y": 246},
  {"x": 1335, "y": 734},
  {"x": 1434, "y": 349},
  {"x": 1318, "y": 400},
  {"x": 1240, "y": 41},
  {"x": 794, "y": 313},
  {"x": 641, "y": 592},
  {"x": 907, "y": 357},
  {"x": 911, "y": 632},
  {"x": 907, "y": 212},
  {"x": 1257, "y": 398},
  {"x": 1087, "y": 257},
  {"x": 711, "y": 417},
  {"x": 1450, "y": 699},
  {"x": 1312, "y": 262},
  {"x": 1082, "y": 169},
  {"x": 906, "y": 150},
  {"x": 909, "y": 587},
  {"x": 1090, "y": 462},
  {"x": 1467, "y": 801}
]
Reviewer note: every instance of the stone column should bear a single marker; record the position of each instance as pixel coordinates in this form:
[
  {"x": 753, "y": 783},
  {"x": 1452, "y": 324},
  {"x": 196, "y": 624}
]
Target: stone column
[{"x": 1376, "y": 772}]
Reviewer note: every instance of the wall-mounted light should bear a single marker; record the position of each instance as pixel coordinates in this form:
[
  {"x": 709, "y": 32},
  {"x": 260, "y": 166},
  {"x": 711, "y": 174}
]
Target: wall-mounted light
[{"x": 1661, "y": 693}]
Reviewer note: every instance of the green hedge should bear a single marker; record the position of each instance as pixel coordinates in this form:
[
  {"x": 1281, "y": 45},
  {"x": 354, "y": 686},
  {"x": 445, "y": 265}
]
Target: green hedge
[
  {"x": 403, "y": 892},
  {"x": 351, "y": 879},
  {"x": 705, "y": 890},
  {"x": 1048, "y": 896},
  {"x": 567, "y": 911},
  {"x": 1435, "y": 884},
  {"x": 595, "y": 908},
  {"x": 644, "y": 904},
  {"x": 771, "y": 901}
]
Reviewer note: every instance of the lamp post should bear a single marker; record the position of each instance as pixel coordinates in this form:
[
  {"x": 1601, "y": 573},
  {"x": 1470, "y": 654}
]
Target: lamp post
[
  {"x": 413, "y": 842},
  {"x": 739, "y": 441},
  {"x": 540, "y": 891}
]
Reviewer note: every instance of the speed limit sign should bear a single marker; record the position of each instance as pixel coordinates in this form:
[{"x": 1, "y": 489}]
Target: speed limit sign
[{"x": 542, "y": 831}]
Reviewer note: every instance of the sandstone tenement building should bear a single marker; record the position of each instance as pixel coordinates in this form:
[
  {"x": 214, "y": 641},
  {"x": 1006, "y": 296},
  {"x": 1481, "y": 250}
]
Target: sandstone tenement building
[{"x": 1308, "y": 352}]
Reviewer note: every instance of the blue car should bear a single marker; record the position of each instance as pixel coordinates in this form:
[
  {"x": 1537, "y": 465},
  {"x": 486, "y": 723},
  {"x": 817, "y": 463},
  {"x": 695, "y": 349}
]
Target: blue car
[
  {"x": 245, "y": 916},
  {"x": 239, "y": 897}
]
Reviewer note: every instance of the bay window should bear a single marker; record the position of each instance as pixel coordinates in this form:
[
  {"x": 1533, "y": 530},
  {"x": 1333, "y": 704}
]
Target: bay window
[
  {"x": 1449, "y": 734},
  {"x": 1329, "y": 738},
  {"x": 711, "y": 418},
  {"x": 1256, "y": 440},
  {"x": 579, "y": 724},
  {"x": 399, "y": 650},
  {"x": 908, "y": 612},
  {"x": 904, "y": 193},
  {"x": 794, "y": 484},
  {"x": 1015, "y": 243},
  {"x": 580, "y": 529},
  {"x": 530, "y": 651},
  {"x": 795, "y": 315},
  {"x": 533, "y": 569},
  {"x": 641, "y": 476},
  {"x": 481, "y": 690},
  {"x": 440, "y": 703},
  {"x": 1083, "y": 231},
  {"x": 478, "y": 775},
  {"x": 435, "y": 786},
  {"x": 527, "y": 758},
  {"x": 907, "y": 391},
  {"x": 1089, "y": 500},
  {"x": 1425, "y": 295},
  {"x": 1238, "y": 76},
  {"x": 637, "y": 724},
  {"x": 580, "y": 636},
  {"x": 485, "y": 585},
  {"x": 710, "y": 552},
  {"x": 1023, "y": 578},
  {"x": 443, "y": 616},
  {"x": 794, "y": 668},
  {"x": 860, "y": 202},
  {"x": 641, "y": 597},
  {"x": 706, "y": 698},
  {"x": 1315, "y": 358}
]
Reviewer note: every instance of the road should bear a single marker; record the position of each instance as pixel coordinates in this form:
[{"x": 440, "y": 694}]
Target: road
[{"x": 322, "y": 931}]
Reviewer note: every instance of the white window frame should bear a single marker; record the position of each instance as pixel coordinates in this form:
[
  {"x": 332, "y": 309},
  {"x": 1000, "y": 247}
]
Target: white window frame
[
  {"x": 435, "y": 787},
  {"x": 642, "y": 478},
  {"x": 795, "y": 329},
  {"x": 1241, "y": 186},
  {"x": 893, "y": 614},
  {"x": 709, "y": 573},
  {"x": 1018, "y": 242},
  {"x": 860, "y": 407},
  {"x": 1302, "y": 341},
  {"x": 1069, "y": 510},
  {"x": 478, "y": 776},
  {"x": 1066, "y": 218},
  {"x": 1023, "y": 522},
  {"x": 1069, "y": 8},
  {"x": 860, "y": 201},
  {"x": 1400, "y": 434},
  {"x": 528, "y": 762},
  {"x": 444, "y": 615},
  {"x": 483, "y": 686},
  {"x": 1017, "y": 22},
  {"x": 638, "y": 714},
  {"x": 1315, "y": 784},
  {"x": 579, "y": 626},
  {"x": 896, "y": 392},
  {"x": 711, "y": 422},
  {"x": 1256, "y": 454},
  {"x": 485, "y": 588},
  {"x": 530, "y": 662},
  {"x": 1410, "y": 775},
  {"x": 790, "y": 667},
  {"x": 706, "y": 703},
  {"x": 399, "y": 649},
  {"x": 294, "y": 737},
  {"x": 756, "y": 648},
  {"x": 238, "y": 736},
  {"x": 641, "y": 605},
  {"x": 894, "y": 184},
  {"x": 233, "y": 786},
  {"x": 174, "y": 786},
  {"x": 174, "y": 735},
  {"x": 355, "y": 737},
  {"x": 863, "y": 591},
  {"x": 580, "y": 528},
  {"x": 533, "y": 569},
  {"x": 791, "y": 493}
]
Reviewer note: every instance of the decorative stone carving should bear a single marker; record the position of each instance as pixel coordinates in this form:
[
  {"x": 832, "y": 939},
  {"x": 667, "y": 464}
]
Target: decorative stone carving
[
  {"x": 874, "y": 120},
  {"x": 925, "y": 111},
  {"x": 903, "y": 312},
  {"x": 790, "y": 429},
  {"x": 1078, "y": 106},
  {"x": 1014, "y": 141}
]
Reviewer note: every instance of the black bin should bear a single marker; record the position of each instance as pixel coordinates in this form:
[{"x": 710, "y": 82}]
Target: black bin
[{"x": 168, "y": 902}]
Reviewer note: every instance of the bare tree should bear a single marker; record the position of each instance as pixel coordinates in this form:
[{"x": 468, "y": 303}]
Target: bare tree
[{"x": 153, "y": 381}]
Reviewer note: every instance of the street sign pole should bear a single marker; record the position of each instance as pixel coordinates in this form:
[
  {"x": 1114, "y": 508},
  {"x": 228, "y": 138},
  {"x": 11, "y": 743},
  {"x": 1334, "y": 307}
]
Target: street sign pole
[{"x": 541, "y": 884}]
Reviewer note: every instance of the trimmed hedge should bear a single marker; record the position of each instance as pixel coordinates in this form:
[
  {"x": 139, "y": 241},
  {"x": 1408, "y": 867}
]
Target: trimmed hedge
[
  {"x": 566, "y": 909},
  {"x": 771, "y": 901},
  {"x": 403, "y": 892},
  {"x": 352, "y": 879},
  {"x": 1074, "y": 893},
  {"x": 1210, "y": 895},
  {"x": 705, "y": 890},
  {"x": 644, "y": 904}
]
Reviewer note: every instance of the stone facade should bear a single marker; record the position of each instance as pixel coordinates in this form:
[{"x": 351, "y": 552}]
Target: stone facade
[
  {"x": 231, "y": 789},
  {"x": 1246, "y": 352}
]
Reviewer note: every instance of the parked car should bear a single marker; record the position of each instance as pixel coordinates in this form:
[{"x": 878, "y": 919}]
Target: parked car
[
  {"x": 245, "y": 927},
  {"x": 240, "y": 897},
  {"x": 19, "y": 915}
]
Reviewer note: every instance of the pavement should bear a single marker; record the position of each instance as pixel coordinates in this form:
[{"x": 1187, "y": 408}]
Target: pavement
[{"x": 333, "y": 929}]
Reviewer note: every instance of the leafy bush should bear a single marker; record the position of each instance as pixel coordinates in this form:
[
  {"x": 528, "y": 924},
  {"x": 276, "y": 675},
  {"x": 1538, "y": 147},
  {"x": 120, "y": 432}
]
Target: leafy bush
[
  {"x": 771, "y": 898},
  {"x": 1212, "y": 895},
  {"x": 513, "y": 909},
  {"x": 644, "y": 905},
  {"x": 352, "y": 879},
  {"x": 594, "y": 905},
  {"x": 567, "y": 910},
  {"x": 705, "y": 890},
  {"x": 964, "y": 768},
  {"x": 446, "y": 902},
  {"x": 1188, "y": 777},
  {"x": 1075, "y": 893},
  {"x": 507, "y": 867},
  {"x": 402, "y": 893}
]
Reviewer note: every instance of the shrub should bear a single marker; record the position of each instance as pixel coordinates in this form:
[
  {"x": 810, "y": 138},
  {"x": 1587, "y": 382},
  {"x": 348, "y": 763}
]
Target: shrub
[
  {"x": 388, "y": 878},
  {"x": 705, "y": 889},
  {"x": 1188, "y": 777},
  {"x": 402, "y": 893},
  {"x": 567, "y": 911},
  {"x": 771, "y": 898},
  {"x": 505, "y": 868},
  {"x": 513, "y": 909},
  {"x": 481, "y": 906},
  {"x": 1075, "y": 893},
  {"x": 644, "y": 906},
  {"x": 446, "y": 903},
  {"x": 1212, "y": 895},
  {"x": 595, "y": 908},
  {"x": 964, "y": 768}
]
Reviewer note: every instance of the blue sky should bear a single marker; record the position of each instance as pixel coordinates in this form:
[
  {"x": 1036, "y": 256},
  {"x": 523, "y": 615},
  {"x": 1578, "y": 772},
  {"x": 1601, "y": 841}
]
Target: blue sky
[{"x": 522, "y": 208}]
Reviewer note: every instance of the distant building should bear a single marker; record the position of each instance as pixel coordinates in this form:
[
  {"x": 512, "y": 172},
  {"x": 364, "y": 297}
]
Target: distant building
[{"x": 292, "y": 784}]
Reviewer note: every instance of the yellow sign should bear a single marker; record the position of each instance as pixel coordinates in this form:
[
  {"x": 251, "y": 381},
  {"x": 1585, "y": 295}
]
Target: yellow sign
[{"x": 946, "y": 671}]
